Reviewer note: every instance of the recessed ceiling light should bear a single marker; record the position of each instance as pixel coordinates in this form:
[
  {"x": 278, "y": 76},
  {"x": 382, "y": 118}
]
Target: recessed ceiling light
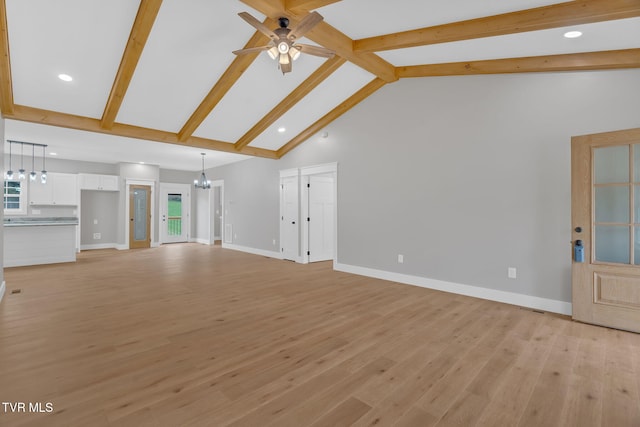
[
  {"x": 142, "y": 163},
  {"x": 572, "y": 34},
  {"x": 65, "y": 77},
  {"x": 53, "y": 154},
  {"x": 282, "y": 129}
]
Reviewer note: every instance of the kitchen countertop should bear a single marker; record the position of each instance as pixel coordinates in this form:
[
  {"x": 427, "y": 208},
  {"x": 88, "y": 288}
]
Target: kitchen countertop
[{"x": 31, "y": 221}]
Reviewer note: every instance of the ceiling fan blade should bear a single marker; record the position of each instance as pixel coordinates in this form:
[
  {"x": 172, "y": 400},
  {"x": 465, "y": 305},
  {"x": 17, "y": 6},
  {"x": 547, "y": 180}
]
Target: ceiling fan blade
[
  {"x": 251, "y": 50},
  {"x": 307, "y": 23},
  {"x": 315, "y": 50},
  {"x": 258, "y": 25}
]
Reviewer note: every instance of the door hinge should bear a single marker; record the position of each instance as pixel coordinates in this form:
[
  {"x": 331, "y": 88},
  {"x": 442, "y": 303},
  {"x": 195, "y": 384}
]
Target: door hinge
[
  {"x": 308, "y": 185},
  {"x": 308, "y": 252},
  {"x": 308, "y": 219},
  {"x": 281, "y": 249}
]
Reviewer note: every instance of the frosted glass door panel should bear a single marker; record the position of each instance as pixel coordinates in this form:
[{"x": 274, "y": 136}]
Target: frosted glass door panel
[
  {"x": 636, "y": 163},
  {"x": 612, "y": 204},
  {"x": 140, "y": 215},
  {"x": 612, "y": 244},
  {"x": 636, "y": 240},
  {"x": 611, "y": 164}
]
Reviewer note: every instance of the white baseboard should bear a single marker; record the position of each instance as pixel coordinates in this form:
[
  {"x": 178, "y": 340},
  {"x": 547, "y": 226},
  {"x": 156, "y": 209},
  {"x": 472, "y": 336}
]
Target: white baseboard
[
  {"x": 513, "y": 298},
  {"x": 3, "y": 288},
  {"x": 125, "y": 247},
  {"x": 201, "y": 241},
  {"x": 98, "y": 246},
  {"x": 262, "y": 252}
]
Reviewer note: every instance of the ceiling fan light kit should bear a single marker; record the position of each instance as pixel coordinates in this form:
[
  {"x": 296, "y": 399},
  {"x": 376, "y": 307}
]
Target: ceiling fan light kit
[{"x": 283, "y": 46}]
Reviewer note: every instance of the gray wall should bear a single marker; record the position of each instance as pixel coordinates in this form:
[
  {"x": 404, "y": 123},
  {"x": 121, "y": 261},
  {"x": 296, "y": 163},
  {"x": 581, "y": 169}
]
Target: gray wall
[
  {"x": 464, "y": 176},
  {"x": 102, "y": 207}
]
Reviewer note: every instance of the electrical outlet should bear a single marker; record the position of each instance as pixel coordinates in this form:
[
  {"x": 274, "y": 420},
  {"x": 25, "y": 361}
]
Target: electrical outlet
[
  {"x": 274, "y": 242},
  {"x": 95, "y": 221},
  {"x": 512, "y": 273},
  {"x": 400, "y": 259},
  {"x": 97, "y": 236}
]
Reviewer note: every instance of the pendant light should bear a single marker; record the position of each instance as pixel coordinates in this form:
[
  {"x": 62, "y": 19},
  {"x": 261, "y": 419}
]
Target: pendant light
[
  {"x": 203, "y": 183},
  {"x": 21, "y": 171},
  {"x": 33, "y": 174},
  {"x": 43, "y": 174},
  {"x": 10, "y": 171}
]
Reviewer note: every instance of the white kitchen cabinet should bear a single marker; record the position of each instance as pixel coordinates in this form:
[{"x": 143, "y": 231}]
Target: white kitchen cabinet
[
  {"x": 60, "y": 189},
  {"x": 92, "y": 181}
]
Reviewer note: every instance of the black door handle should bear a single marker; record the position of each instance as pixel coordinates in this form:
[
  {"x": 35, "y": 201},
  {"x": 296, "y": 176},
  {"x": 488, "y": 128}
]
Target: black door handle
[{"x": 293, "y": 222}]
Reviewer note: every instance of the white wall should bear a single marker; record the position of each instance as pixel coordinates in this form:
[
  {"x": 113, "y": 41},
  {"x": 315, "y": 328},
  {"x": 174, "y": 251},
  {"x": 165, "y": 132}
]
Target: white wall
[{"x": 465, "y": 176}]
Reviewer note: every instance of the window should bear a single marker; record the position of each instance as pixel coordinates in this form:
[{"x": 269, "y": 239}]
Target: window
[{"x": 15, "y": 197}]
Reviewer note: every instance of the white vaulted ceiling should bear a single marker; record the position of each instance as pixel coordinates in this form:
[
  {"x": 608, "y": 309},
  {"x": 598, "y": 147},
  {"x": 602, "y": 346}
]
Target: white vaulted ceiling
[{"x": 177, "y": 89}]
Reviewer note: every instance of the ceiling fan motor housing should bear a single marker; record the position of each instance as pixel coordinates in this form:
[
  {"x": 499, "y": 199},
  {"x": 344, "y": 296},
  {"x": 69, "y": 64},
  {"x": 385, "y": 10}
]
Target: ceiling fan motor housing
[{"x": 283, "y": 22}]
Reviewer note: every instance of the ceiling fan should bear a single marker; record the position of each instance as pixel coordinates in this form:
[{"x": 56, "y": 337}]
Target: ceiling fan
[{"x": 283, "y": 44}]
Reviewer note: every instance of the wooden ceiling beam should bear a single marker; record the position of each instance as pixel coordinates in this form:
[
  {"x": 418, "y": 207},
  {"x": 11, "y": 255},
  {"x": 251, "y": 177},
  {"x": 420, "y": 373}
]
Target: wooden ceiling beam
[
  {"x": 298, "y": 6},
  {"x": 327, "y": 36},
  {"x": 70, "y": 121},
  {"x": 147, "y": 13},
  {"x": 318, "y": 76},
  {"x": 604, "y": 60},
  {"x": 540, "y": 18},
  {"x": 231, "y": 75},
  {"x": 6, "y": 83},
  {"x": 345, "y": 106}
]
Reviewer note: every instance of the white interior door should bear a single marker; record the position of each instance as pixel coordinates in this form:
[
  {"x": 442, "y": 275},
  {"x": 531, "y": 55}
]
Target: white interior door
[
  {"x": 289, "y": 221},
  {"x": 321, "y": 214},
  {"x": 174, "y": 215}
]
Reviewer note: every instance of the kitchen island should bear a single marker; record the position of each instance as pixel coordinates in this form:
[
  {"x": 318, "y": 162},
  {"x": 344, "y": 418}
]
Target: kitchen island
[{"x": 32, "y": 241}]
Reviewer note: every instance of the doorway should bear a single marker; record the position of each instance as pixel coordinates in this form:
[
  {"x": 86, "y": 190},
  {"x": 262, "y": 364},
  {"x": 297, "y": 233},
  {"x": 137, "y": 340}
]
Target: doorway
[
  {"x": 605, "y": 222},
  {"x": 217, "y": 219},
  {"x": 139, "y": 216},
  {"x": 308, "y": 213},
  {"x": 175, "y": 218}
]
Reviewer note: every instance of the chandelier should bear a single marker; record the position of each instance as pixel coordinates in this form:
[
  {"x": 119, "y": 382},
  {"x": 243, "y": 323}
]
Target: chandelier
[{"x": 203, "y": 182}]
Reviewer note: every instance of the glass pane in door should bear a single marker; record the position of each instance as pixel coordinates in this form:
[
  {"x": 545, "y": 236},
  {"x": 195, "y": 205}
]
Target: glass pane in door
[
  {"x": 636, "y": 163},
  {"x": 612, "y": 204},
  {"x": 612, "y": 243},
  {"x": 140, "y": 214},
  {"x": 174, "y": 215},
  {"x": 611, "y": 164}
]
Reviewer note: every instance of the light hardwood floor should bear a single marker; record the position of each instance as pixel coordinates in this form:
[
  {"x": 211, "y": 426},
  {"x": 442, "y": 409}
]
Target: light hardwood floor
[{"x": 188, "y": 334}]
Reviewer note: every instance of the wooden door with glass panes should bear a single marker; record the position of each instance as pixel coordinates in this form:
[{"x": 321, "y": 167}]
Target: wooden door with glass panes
[{"x": 605, "y": 205}]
